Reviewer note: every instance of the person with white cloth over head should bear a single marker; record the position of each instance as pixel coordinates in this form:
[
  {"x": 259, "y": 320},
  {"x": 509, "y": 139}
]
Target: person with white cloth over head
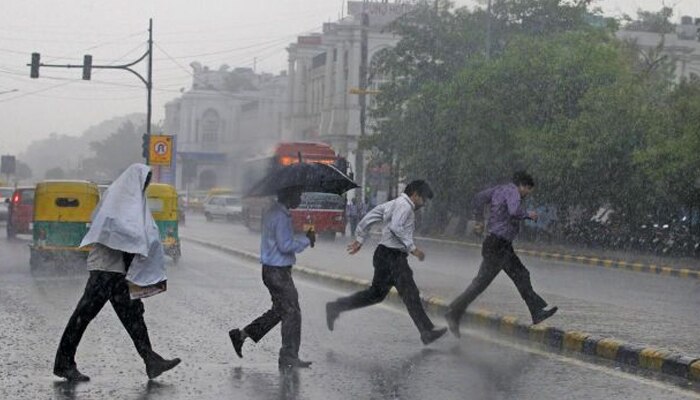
[{"x": 126, "y": 248}]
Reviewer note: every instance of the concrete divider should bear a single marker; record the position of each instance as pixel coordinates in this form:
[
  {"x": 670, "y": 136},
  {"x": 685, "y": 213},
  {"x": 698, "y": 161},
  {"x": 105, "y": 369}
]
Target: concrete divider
[{"x": 552, "y": 338}]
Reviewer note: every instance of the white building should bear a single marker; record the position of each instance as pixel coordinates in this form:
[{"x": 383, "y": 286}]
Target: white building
[
  {"x": 225, "y": 118},
  {"x": 682, "y": 46},
  {"x": 324, "y": 67}
]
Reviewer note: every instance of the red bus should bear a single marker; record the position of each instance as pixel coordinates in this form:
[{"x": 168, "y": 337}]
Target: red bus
[{"x": 323, "y": 212}]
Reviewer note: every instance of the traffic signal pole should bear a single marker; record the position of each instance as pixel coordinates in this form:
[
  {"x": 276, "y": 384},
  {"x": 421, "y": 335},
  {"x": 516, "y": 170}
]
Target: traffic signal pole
[{"x": 88, "y": 66}]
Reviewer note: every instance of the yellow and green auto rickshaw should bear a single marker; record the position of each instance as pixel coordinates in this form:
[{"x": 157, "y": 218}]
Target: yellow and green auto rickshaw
[
  {"x": 162, "y": 200},
  {"x": 62, "y": 212}
]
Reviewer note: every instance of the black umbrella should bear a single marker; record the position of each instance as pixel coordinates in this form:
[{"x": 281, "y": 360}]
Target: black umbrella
[{"x": 311, "y": 177}]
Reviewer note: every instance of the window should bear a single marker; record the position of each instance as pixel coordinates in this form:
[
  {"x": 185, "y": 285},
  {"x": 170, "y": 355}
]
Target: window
[
  {"x": 67, "y": 202},
  {"x": 210, "y": 123},
  {"x": 233, "y": 201},
  {"x": 156, "y": 205},
  {"x": 27, "y": 197}
]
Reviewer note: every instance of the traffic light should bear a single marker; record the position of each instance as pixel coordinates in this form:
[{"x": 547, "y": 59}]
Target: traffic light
[
  {"x": 145, "y": 146},
  {"x": 87, "y": 67},
  {"x": 36, "y": 60}
]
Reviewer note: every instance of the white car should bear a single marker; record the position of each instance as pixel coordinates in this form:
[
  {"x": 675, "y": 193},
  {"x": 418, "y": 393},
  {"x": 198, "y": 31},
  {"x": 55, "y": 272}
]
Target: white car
[
  {"x": 5, "y": 195},
  {"x": 223, "y": 206}
]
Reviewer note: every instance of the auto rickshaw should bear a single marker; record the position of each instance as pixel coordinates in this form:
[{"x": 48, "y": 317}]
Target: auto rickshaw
[
  {"x": 62, "y": 212},
  {"x": 162, "y": 200}
]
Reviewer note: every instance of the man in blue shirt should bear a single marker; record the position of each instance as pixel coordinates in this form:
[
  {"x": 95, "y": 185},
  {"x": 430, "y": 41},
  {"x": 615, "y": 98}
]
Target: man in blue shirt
[
  {"x": 278, "y": 247},
  {"x": 506, "y": 213}
]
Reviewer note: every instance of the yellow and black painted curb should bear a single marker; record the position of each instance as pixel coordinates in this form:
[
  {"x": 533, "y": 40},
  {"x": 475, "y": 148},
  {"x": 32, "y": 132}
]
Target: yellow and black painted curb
[
  {"x": 554, "y": 339},
  {"x": 663, "y": 270}
]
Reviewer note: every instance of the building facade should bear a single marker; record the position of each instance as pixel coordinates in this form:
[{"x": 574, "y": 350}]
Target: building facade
[
  {"x": 325, "y": 67},
  {"x": 225, "y": 118},
  {"x": 681, "y": 46}
]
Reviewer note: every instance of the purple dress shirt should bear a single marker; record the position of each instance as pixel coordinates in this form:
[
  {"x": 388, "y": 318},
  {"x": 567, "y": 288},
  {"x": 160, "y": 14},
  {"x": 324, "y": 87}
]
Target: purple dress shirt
[{"x": 506, "y": 210}]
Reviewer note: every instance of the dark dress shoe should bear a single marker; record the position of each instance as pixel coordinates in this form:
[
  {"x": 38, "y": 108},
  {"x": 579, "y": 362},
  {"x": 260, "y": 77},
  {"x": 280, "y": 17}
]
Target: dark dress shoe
[
  {"x": 331, "y": 315},
  {"x": 452, "y": 324},
  {"x": 428, "y": 337},
  {"x": 543, "y": 314},
  {"x": 71, "y": 374},
  {"x": 158, "y": 365},
  {"x": 237, "y": 340},
  {"x": 294, "y": 363}
]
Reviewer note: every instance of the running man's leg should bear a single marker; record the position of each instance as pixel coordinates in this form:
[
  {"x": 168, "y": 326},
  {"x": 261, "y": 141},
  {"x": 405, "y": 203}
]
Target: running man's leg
[
  {"x": 493, "y": 258},
  {"x": 381, "y": 284},
  {"x": 520, "y": 276},
  {"x": 408, "y": 290}
]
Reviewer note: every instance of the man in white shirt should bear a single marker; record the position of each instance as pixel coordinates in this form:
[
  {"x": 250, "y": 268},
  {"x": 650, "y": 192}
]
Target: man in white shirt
[{"x": 391, "y": 260}]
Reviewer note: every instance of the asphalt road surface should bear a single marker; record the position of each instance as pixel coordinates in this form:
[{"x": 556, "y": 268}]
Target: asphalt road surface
[{"x": 374, "y": 353}]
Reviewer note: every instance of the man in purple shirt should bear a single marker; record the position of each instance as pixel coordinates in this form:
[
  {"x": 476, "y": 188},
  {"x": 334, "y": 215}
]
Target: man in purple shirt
[{"x": 506, "y": 212}]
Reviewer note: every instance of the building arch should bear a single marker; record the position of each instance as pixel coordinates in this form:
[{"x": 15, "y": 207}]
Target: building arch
[{"x": 207, "y": 179}]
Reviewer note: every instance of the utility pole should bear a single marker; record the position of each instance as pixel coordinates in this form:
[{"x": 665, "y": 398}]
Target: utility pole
[
  {"x": 488, "y": 30},
  {"x": 359, "y": 168},
  {"x": 149, "y": 84},
  {"x": 87, "y": 66}
]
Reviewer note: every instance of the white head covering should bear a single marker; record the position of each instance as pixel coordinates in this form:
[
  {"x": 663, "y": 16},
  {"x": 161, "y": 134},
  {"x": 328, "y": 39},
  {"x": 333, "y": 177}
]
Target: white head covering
[{"x": 123, "y": 221}]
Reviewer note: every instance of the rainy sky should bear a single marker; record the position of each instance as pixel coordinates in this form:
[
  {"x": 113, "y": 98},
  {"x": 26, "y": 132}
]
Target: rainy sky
[{"x": 234, "y": 32}]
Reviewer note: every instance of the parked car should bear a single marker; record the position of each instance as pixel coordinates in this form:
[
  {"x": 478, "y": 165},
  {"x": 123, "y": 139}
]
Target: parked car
[
  {"x": 223, "y": 206},
  {"x": 21, "y": 212},
  {"x": 5, "y": 195}
]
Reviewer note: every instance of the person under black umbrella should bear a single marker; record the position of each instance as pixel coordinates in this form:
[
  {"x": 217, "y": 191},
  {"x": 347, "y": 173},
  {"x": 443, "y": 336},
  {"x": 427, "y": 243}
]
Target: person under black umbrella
[
  {"x": 391, "y": 260},
  {"x": 277, "y": 256},
  {"x": 125, "y": 247},
  {"x": 506, "y": 213}
]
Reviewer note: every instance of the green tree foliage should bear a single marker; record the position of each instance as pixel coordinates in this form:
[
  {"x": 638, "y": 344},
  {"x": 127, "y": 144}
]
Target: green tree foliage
[
  {"x": 671, "y": 157},
  {"x": 55, "y": 173},
  {"x": 592, "y": 117},
  {"x": 114, "y": 153}
]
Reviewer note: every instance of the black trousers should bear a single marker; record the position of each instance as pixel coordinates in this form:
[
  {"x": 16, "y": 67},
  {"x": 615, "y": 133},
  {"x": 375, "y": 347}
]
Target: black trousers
[
  {"x": 285, "y": 309},
  {"x": 498, "y": 255},
  {"x": 390, "y": 269},
  {"x": 101, "y": 287}
]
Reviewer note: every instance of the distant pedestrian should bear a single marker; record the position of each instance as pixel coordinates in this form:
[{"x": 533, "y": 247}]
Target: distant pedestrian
[
  {"x": 125, "y": 247},
  {"x": 506, "y": 213},
  {"x": 352, "y": 213},
  {"x": 391, "y": 267},
  {"x": 277, "y": 255}
]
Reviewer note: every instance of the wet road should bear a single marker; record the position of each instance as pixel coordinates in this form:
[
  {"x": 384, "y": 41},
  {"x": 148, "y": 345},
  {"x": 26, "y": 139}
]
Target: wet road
[
  {"x": 635, "y": 307},
  {"x": 374, "y": 353}
]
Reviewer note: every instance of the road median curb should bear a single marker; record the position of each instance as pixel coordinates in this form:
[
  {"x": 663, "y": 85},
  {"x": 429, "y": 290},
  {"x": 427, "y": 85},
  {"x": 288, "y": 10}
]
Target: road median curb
[{"x": 552, "y": 338}]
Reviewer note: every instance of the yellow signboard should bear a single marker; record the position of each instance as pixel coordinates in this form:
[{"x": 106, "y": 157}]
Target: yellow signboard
[{"x": 161, "y": 150}]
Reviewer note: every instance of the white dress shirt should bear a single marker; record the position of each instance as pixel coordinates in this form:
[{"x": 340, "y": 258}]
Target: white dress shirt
[{"x": 399, "y": 221}]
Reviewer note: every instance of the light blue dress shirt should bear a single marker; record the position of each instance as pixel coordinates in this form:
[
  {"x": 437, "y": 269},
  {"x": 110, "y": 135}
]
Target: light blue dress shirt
[{"x": 278, "y": 245}]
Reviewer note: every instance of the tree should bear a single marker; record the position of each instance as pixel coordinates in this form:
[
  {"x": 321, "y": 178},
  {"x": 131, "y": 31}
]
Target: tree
[
  {"x": 650, "y": 21},
  {"x": 23, "y": 170},
  {"x": 55, "y": 173},
  {"x": 670, "y": 157},
  {"x": 116, "y": 152}
]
